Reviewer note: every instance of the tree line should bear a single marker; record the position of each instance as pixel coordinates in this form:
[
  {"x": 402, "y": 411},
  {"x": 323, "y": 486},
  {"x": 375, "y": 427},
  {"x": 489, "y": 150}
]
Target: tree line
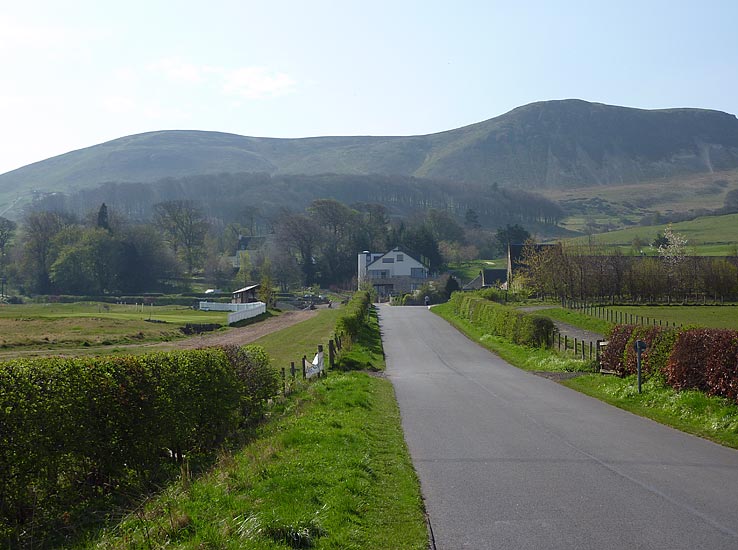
[
  {"x": 597, "y": 273},
  {"x": 106, "y": 251},
  {"x": 230, "y": 197}
]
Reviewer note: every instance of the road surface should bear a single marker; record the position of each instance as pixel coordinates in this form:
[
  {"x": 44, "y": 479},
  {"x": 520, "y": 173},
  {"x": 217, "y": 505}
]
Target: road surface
[{"x": 510, "y": 460}]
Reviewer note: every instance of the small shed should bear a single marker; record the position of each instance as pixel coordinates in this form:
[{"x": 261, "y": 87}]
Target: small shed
[{"x": 245, "y": 295}]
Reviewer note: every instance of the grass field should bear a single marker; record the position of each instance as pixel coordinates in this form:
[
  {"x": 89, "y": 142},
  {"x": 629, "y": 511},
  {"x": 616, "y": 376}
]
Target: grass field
[
  {"x": 469, "y": 270},
  {"x": 63, "y": 326},
  {"x": 706, "y": 236},
  {"x": 704, "y": 316}
]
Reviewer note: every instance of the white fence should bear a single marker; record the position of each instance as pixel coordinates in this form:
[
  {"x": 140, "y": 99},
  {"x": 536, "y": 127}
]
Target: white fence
[
  {"x": 254, "y": 309},
  {"x": 240, "y": 311}
]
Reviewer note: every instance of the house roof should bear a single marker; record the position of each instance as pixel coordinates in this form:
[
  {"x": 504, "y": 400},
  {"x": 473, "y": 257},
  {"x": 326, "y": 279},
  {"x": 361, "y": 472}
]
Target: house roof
[
  {"x": 399, "y": 249},
  {"x": 491, "y": 276},
  {"x": 246, "y": 289}
]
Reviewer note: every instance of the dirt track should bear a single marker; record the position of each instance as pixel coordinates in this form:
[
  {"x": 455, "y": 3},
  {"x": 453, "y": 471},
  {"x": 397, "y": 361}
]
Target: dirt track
[{"x": 247, "y": 334}]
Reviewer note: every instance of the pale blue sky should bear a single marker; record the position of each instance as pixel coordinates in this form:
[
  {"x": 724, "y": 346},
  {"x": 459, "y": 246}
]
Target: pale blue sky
[{"x": 76, "y": 73}]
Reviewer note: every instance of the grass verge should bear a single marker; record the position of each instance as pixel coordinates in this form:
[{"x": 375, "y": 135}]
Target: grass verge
[
  {"x": 301, "y": 339},
  {"x": 367, "y": 352},
  {"x": 532, "y": 359},
  {"x": 576, "y": 319},
  {"x": 692, "y": 412},
  {"x": 330, "y": 470}
]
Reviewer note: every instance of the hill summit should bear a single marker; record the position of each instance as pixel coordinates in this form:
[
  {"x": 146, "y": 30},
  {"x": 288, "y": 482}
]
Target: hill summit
[{"x": 549, "y": 144}]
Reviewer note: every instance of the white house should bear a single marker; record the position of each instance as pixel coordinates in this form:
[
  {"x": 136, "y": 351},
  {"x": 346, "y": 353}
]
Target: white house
[{"x": 392, "y": 272}]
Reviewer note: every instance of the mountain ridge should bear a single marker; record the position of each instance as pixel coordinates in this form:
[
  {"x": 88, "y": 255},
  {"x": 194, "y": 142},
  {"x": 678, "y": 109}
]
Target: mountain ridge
[{"x": 542, "y": 145}]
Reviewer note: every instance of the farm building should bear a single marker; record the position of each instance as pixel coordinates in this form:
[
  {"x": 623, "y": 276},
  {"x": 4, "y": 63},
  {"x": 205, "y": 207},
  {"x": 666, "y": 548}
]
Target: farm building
[{"x": 245, "y": 295}]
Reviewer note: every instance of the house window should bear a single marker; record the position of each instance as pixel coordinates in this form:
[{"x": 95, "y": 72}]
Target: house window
[
  {"x": 417, "y": 273},
  {"x": 400, "y": 257},
  {"x": 388, "y": 260}
]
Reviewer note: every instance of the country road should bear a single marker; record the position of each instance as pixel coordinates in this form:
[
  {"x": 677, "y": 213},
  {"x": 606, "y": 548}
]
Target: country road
[{"x": 510, "y": 460}]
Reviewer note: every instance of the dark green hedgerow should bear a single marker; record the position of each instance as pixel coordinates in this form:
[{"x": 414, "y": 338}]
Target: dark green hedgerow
[
  {"x": 354, "y": 316},
  {"x": 74, "y": 429},
  {"x": 499, "y": 320}
]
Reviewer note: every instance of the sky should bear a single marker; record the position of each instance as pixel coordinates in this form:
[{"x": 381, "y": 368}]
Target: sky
[{"x": 77, "y": 73}]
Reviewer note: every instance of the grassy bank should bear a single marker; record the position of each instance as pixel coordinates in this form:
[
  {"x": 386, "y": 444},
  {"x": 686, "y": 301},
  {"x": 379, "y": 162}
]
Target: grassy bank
[
  {"x": 329, "y": 470},
  {"x": 301, "y": 339},
  {"x": 690, "y": 411}
]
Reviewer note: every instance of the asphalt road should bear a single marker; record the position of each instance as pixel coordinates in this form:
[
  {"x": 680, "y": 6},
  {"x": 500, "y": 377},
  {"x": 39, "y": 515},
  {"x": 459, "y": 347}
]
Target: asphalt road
[{"x": 507, "y": 459}]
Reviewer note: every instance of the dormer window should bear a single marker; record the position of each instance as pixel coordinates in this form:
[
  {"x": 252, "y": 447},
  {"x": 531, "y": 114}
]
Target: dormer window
[{"x": 400, "y": 257}]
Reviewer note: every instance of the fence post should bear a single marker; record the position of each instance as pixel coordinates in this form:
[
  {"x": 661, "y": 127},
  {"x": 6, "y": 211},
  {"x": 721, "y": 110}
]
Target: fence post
[
  {"x": 320, "y": 350},
  {"x": 597, "y": 351},
  {"x": 284, "y": 383},
  {"x": 331, "y": 353},
  {"x": 292, "y": 370},
  {"x": 584, "y": 351},
  {"x": 576, "y": 347},
  {"x": 566, "y": 342},
  {"x": 590, "y": 350},
  {"x": 304, "y": 374}
]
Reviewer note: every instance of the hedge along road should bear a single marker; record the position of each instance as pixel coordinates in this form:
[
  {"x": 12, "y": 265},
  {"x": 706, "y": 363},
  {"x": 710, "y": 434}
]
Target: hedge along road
[{"x": 507, "y": 459}]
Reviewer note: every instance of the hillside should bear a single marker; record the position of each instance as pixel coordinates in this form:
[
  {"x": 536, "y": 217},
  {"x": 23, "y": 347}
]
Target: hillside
[
  {"x": 546, "y": 145},
  {"x": 706, "y": 236}
]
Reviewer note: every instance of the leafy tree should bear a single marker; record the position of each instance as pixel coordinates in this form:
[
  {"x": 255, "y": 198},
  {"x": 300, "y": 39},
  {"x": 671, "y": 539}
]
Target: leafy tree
[
  {"x": 185, "y": 227},
  {"x": 146, "y": 263},
  {"x": 660, "y": 241},
  {"x": 452, "y": 285},
  {"x": 443, "y": 226},
  {"x": 301, "y": 236},
  {"x": 39, "y": 230},
  {"x": 7, "y": 229},
  {"x": 339, "y": 237},
  {"x": 102, "y": 218},
  {"x": 471, "y": 219},
  {"x": 266, "y": 287}
]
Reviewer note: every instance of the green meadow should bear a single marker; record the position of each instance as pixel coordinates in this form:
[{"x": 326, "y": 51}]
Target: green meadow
[{"x": 91, "y": 324}]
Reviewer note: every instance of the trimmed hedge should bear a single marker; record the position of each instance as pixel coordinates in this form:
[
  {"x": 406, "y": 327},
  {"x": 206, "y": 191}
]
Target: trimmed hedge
[
  {"x": 519, "y": 327},
  {"x": 707, "y": 360},
  {"x": 620, "y": 356},
  {"x": 73, "y": 429},
  {"x": 355, "y": 315},
  {"x": 703, "y": 359}
]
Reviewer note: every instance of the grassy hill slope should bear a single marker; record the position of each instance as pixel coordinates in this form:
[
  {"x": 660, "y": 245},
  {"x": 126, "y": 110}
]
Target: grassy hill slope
[
  {"x": 549, "y": 145},
  {"x": 706, "y": 236}
]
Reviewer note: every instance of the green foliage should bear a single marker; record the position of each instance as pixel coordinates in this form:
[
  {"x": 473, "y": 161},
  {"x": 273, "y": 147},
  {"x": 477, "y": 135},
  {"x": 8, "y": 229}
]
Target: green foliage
[
  {"x": 499, "y": 320},
  {"x": 331, "y": 472},
  {"x": 366, "y": 353},
  {"x": 354, "y": 316},
  {"x": 77, "y": 428},
  {"x": 258, "y": 380}
]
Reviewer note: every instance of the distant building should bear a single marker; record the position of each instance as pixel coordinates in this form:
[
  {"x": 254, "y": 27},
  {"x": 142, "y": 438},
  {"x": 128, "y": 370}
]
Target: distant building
[
  {"x": 245, "y": 295},
  {"x": 488, "y": 278},
  {"x": 392, "y": 272}
]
